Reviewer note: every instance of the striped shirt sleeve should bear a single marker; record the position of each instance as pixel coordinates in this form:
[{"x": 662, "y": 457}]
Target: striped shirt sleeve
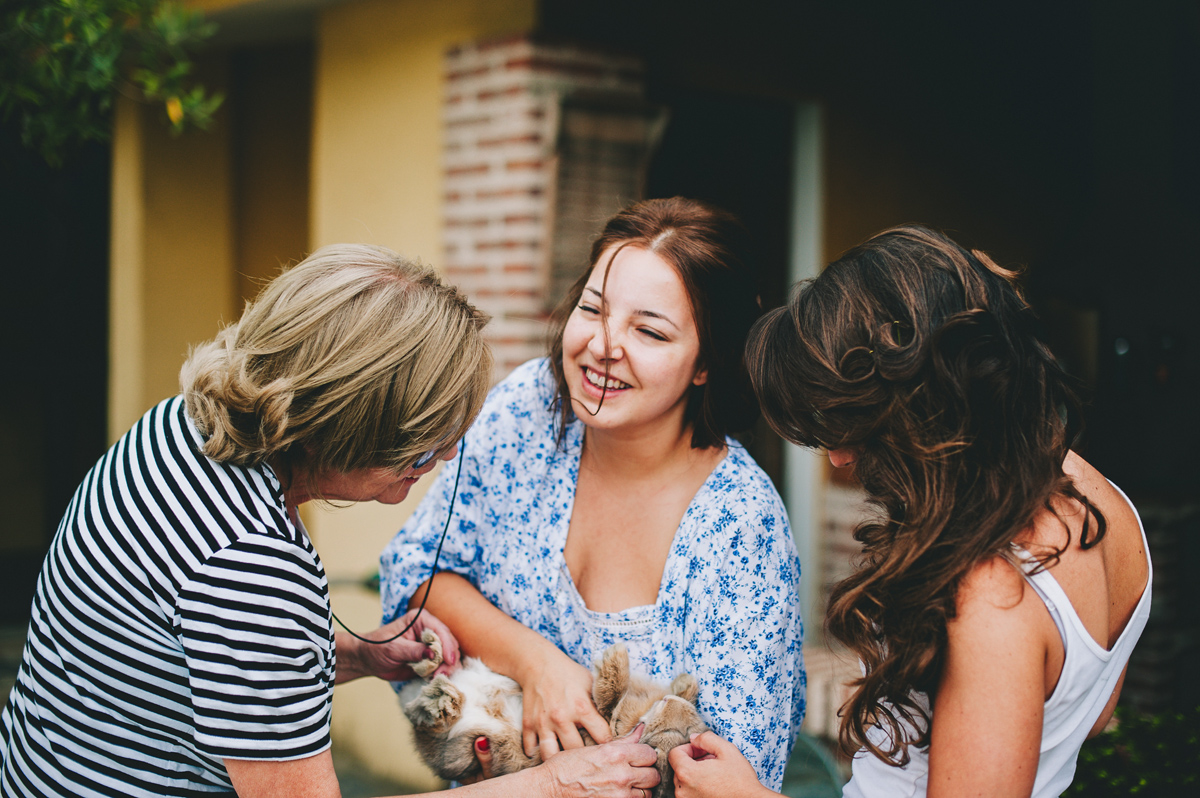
[{"x": 256, "y": 630}]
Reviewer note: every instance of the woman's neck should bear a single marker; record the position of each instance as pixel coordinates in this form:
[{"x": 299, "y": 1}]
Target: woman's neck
[
  {"x": 637, "y": 454},
  {"x": 292, "y": 481}
]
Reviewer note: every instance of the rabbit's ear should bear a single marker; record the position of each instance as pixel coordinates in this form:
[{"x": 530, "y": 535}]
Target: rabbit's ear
[
  {"x": 439, "y": 702},
  {"x": 611, "y": 680},
  {"x": 686, "y": 687}
]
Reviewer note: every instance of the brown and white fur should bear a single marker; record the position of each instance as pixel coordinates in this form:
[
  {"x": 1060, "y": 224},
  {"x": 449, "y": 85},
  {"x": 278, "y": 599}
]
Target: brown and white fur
[{"x": 448, "y": 713}]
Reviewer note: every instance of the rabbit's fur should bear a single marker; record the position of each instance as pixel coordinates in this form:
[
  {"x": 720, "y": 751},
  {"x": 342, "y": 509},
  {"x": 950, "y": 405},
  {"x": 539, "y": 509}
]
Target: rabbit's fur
[{"x": 449, "y": 712}]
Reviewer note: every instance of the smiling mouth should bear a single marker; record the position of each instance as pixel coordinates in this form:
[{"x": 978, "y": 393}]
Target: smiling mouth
[{"x": 597, "y": 380}]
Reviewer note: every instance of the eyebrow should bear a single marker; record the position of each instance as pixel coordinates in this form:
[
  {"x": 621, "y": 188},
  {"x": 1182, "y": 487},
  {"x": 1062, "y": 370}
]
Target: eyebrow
[{"x": 648, "y": 313}]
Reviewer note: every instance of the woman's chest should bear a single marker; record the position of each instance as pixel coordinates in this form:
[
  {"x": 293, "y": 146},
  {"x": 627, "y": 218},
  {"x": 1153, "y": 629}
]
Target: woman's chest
[{"x": 619, "y": 541}]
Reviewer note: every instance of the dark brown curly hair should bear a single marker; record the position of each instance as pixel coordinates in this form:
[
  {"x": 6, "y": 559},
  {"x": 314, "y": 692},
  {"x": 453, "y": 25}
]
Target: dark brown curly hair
[
  {"x": 714, "y": 257},
  {"x": 926, "y": 360}
]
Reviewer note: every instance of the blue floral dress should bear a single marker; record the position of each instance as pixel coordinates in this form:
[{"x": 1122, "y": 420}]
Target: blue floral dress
[{"x": 727, "y": 609}]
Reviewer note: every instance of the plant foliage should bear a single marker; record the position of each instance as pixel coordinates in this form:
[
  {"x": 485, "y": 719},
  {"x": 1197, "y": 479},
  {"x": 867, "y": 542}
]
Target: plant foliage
[
  {"x": 1146, "y": 755},
  {"x": 63, "y": 62}
]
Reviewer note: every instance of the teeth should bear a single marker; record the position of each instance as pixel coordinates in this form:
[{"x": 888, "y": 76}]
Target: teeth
[{"x": 598, "y": 380}]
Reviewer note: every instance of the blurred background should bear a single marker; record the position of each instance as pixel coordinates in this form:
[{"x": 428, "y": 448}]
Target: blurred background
[{"x": 492, "y": 138}]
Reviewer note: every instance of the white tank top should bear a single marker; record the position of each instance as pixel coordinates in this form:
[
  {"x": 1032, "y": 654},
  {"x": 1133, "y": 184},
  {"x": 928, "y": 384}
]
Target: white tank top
[{"x": 1089, "y": 676}]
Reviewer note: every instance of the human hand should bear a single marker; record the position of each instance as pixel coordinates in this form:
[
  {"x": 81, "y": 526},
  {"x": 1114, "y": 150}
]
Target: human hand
[
  {"x": 711, "y": 767},
  {"x": 483, "y": 755},
  {"x": 393, "y": 661},
  {"x": 623, "y": 768},
  {"x": 557, "y": 698}
]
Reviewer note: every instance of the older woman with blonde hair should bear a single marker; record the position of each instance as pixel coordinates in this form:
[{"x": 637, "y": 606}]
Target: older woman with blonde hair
[{"x": 181, "y": 637}]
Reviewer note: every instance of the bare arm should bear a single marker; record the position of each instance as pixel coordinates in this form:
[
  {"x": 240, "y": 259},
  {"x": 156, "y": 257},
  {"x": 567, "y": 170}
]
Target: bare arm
[
  {"x": 557, "y": 690},
  {"x": 617, "y": 770},
  {"x": 987, "y": 726}
]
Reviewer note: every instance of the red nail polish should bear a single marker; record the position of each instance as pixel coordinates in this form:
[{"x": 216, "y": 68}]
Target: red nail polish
[{"x": 482, "y": 744}]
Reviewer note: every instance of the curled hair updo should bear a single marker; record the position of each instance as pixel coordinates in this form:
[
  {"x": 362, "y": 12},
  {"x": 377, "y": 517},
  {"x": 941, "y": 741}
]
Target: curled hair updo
[
  {"x": 711, "y": 252},
  {"x": 354, "y": 358},
  {"x": 923, "y": 358}
]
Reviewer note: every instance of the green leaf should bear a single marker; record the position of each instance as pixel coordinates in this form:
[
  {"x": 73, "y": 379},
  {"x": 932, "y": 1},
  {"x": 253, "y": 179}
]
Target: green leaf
[{"x": 62, "y": 63}]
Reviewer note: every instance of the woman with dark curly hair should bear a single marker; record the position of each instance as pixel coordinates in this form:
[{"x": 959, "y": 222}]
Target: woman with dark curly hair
[{"x": 1003, "y": 581}]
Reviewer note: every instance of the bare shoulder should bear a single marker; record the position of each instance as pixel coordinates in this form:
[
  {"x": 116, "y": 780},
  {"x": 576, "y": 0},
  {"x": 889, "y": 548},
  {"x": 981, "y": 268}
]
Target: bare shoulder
[
  {"x": 993, "y": 584},
  {"x": 1001, "y": 635},
  {"x": 1103, "y": 495},
  {"x": 1122, "y": 550},
  {"x": 996, "y": 609}
]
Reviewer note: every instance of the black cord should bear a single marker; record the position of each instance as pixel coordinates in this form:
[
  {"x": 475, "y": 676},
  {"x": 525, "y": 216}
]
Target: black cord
[{"x": 432, "y": 571}]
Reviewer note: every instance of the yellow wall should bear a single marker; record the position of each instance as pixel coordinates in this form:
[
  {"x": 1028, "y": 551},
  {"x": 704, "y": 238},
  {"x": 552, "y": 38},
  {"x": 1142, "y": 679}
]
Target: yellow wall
[
  {"x": 272, "y": 102},
  {"x": 199, "y": 220},
  {"x": 194, "y": 216},
  {"x": 126, "y": 326},
  {"x": 172, "y": 276},
  {"x": 377, "y": 133},
  {"x": 377, "y": 178}
]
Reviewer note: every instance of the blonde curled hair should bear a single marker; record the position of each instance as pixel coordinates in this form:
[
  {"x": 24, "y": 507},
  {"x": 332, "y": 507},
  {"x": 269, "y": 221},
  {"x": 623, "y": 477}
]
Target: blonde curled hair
[{"x": 354, "y": 358}]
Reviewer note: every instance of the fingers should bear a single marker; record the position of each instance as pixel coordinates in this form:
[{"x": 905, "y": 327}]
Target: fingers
[
  {"x": 445, "y": 669},
  {"x": 529, "y": 741},
  {"x": 711, "y": 766},
  {"x": 596, "y": 726},
  {"x": 647, "y": 777},
  {"x": 634, "y": 735},
  {"x": 570, "y": 738},
  {"x": 557, "y": 704},
  {"x": 681, "y": 756},
  {"x": 450, "y": 652},
  {"x": 710, "y": 743},
  {"x": 615, "y": 769},
  {"x": 401, "y": 622},
  {"x": 563, "y": 735},
  {"x": 643, "y": 756},
  {"x": 400, "y": 655},
  {"x": 548, "y": 744},
  {"x": 483, "y": 753}
]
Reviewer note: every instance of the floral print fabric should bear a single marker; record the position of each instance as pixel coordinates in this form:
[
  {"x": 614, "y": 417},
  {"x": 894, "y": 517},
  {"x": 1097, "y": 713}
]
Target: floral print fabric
[{"x": 727, "y": 608}]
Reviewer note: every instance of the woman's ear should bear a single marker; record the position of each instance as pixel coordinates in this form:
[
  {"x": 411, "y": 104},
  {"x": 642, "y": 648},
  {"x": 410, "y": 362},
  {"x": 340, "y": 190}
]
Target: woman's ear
[{"x": 701, "y": 376}]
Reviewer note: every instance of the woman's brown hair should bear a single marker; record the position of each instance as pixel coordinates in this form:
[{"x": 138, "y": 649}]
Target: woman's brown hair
[
  {"x": 925, "y": 359},
  {"x": 711, "y": 252}
]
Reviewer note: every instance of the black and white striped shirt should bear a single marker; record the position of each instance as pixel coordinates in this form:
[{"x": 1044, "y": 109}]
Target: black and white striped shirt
[{"x": 180, "y": 618}]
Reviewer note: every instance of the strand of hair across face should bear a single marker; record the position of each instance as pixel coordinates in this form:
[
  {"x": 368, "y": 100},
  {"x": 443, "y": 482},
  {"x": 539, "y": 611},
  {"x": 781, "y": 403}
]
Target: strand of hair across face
[
  {"x": 432, "y": 571},
  {"x": 604, "y": 326}
]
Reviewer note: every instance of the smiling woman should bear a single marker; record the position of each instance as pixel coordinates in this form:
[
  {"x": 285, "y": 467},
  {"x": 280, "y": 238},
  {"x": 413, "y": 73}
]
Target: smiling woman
[
  {"x": 605, "y": 501},
  {"x": 631, "y": 347}
]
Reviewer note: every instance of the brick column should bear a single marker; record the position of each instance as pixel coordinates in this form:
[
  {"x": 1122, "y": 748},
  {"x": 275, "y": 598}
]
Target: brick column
[{"x": 503, "y": 110}]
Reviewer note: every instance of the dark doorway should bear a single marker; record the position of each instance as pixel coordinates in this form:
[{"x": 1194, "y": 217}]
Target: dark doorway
[
  {"x": 735, "y": 152},
  {"x": 54, "y": 224}
]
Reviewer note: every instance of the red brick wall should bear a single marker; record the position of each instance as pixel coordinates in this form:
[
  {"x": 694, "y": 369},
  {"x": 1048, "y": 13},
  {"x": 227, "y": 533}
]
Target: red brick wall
[{"x": 502, "y": 110}]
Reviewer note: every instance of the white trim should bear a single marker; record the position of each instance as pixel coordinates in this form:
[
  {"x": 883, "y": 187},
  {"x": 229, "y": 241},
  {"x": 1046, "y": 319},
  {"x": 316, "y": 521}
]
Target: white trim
[{"x": 802, "y": 468}]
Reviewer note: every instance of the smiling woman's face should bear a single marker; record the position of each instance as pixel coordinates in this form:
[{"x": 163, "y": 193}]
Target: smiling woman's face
[{"x": 653, "y": 344}]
